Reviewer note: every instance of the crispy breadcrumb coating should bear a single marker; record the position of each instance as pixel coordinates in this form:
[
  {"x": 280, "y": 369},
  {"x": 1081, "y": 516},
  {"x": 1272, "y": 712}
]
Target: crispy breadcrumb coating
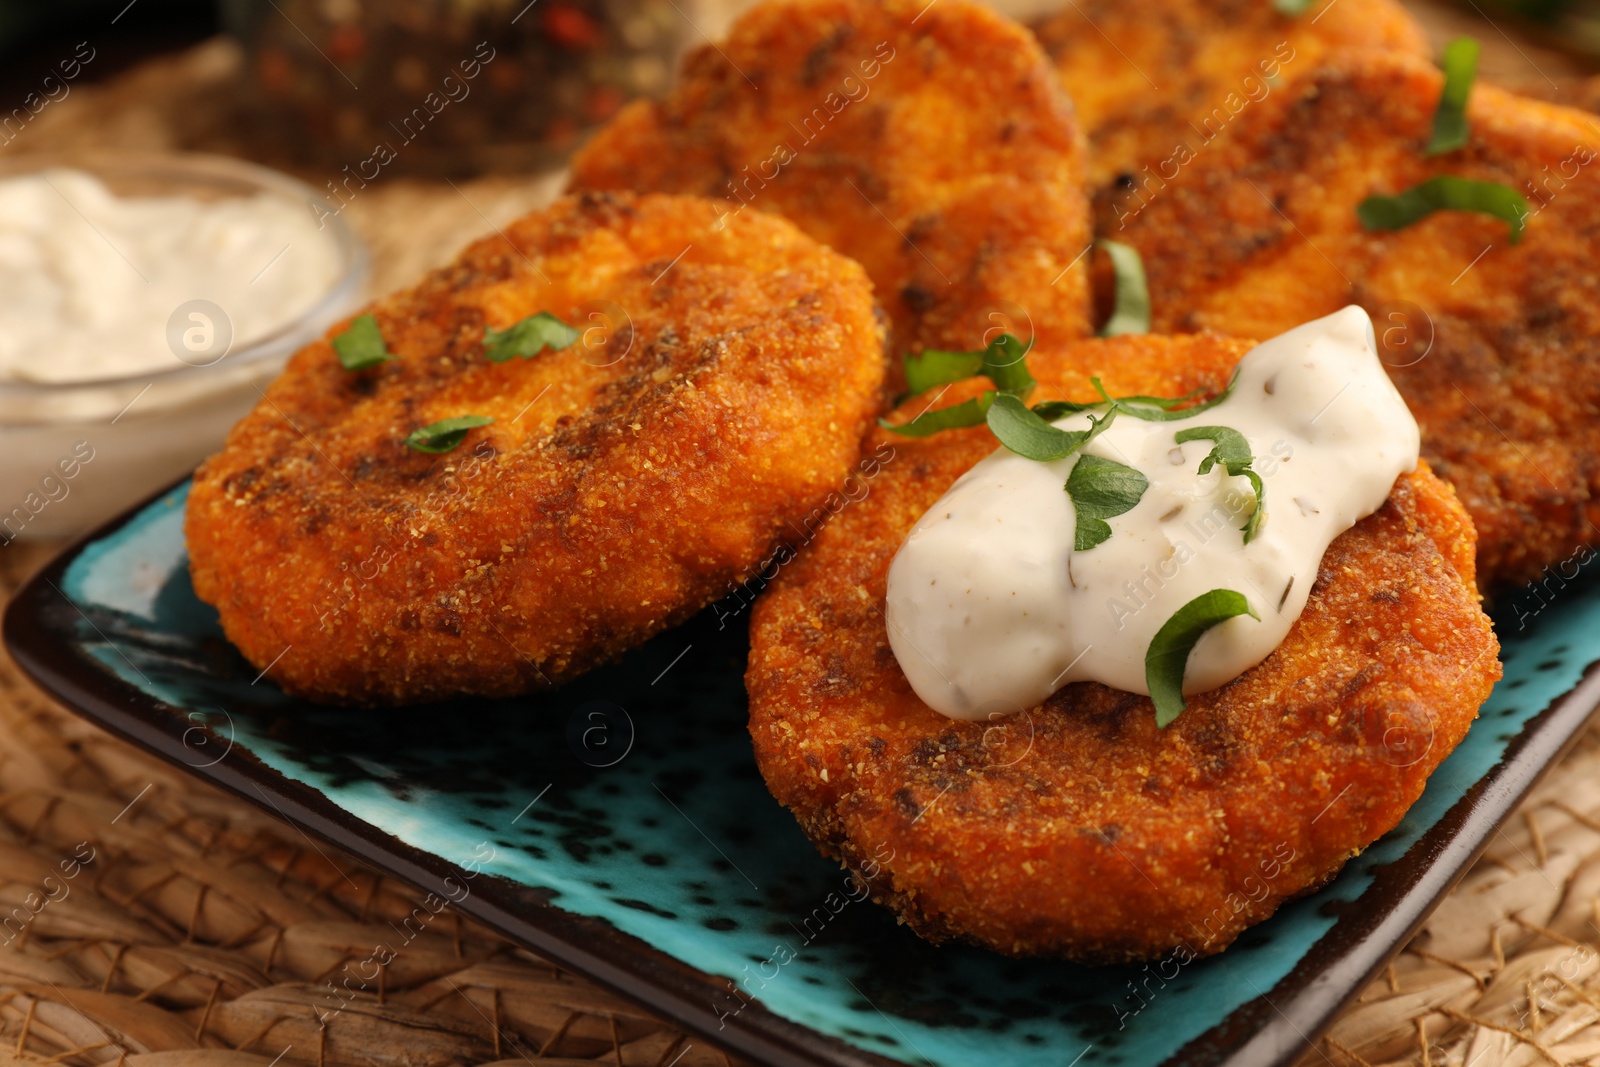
[
  {"x": 1493, "y": 346},
  {"x": 1079, "y": 829},
  {"x": 929, "y": 142},
  {"x": 722, "y": 386},
  {"x": 1154, "y": 81}
]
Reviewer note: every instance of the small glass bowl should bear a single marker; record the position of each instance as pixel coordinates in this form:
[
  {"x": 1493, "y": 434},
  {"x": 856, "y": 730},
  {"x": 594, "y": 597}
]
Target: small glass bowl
[{"x": 78, "y": 452}]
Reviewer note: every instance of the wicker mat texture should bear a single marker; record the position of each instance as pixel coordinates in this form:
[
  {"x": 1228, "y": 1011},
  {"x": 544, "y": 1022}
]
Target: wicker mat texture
[
  {"x": 169, "y": 918},
  {"x": 203, "y": 930}
]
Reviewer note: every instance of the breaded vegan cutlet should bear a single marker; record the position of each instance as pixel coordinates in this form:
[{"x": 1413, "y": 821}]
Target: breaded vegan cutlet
[
  {"x": 1495, "y": 347},
  {"x": 1079, "y": 828},
  {"x": 929, "y": 142},
  {"x": 1155, "y": 81},
  {"x": 726, "y": 373}
]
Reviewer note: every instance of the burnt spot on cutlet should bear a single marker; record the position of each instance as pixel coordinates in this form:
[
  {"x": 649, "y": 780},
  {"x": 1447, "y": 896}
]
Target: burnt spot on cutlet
[
  {"x": 606, "y": 207},
  {"x": 922, "y": 228},
  {"x": 1155, "y": 788},
  {"x": 627, "y": 400},
  {"x": 1109, "y": 711},
  {"x": 358, "y": 384},
  {"x": 618, "y": 343},
  {"x": 918, "y": 299},
  {"x": 905, "y": 801},
  {"x": 467, "y": 327},
  {"x": 579, "y": 440},
  {"x": 1385, "y": 596},
  {"x": 243, "y": 480},
  {"x": 256, "y": 484},
  {"x": 1214, "y": 748},
  {"x": 820, "y": 58},
  {"x": 951, "y": 762},
  {"x": 1359, "y": 682},
  {"x": 837, "y": 679},
  {"x": 596, "y": 210},
  {"x": 662, "y": 349},
  {"x": 484, "y": 268}
]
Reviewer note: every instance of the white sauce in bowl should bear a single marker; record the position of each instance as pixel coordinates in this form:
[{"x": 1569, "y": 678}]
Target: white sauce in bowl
[
  {"x": 991, "y": 610},
  {"x": 89, "y": 280}
]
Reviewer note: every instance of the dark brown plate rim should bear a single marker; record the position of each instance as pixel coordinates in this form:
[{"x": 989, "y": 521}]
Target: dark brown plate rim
[{"x": 1271, "y": 1030}]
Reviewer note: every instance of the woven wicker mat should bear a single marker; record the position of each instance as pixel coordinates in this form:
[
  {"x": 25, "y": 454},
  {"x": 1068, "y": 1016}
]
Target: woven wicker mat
[
  {"x": 204, "y": 924},
  {"x": 204, "y": 930}
]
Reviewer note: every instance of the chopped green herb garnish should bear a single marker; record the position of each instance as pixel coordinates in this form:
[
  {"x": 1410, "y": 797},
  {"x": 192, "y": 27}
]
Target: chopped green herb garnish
[
  {"x": 934, "y": 367},
  {"x": 1108, "y": 489},
  {"x": 1292, "y": 8},
  {"x": 1051, "y": 410},
  {"x": 967, "y": 413},
  {"x": 1445, "y": 193},
  {"x": 361, "y": 344},
  {"x": 1101, "y": 489},
  {"x": 1232, "y": 452},
  {"x": 1450, "y": 119},
  {"x": 1168, "y": 655},
  {"x": 446, "y": 434},
  {"x": 1027, "y": 434},
  {"x": 528, "y": 338},
  {"x": 1131, "y": 313},
  {"x": 1004, "y": 362},
  {"x": 1164, "y": 408}
]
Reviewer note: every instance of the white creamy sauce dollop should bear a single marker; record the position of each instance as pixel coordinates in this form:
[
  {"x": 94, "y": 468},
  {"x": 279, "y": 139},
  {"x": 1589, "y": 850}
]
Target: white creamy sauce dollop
[
  {"x": 89, "y": 280},
  {"x": 990, "y": 608}
]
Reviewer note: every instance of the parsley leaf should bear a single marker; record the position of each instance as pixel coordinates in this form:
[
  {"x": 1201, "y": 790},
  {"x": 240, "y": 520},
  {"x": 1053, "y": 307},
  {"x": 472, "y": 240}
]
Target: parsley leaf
[
  {"x": 446, "y": 434},
  {"x": 1051, "y": 410},
  {"x": 1450, "y": 119},
  {"x": 1232, "y": 453},
  {"x": 1163, "y": 408},
  {"x": 1233, "y": 449},
  {"x": 1292, "y": 8},
  {"x": 361, "y": 344},
  {"x": 1131, "y": 313},
  {"x": 1027, "y": 434},
  {"x": 1168, "y": 655},
  {"x": 968, "y": 413},
  {"x": 1004, "y": 362},
  {"x": 1101, "y": 489},
  {"x": 528, "y": 338},
  {"x": 934, "y": 367},
  {"x": 1445, "y": 193}
]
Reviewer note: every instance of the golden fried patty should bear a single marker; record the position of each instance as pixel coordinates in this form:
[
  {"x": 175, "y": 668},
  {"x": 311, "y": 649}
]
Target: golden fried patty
[
  {"x": 929, "y": 142},
  {"x": 1496, "y": 348},
  {"x": 1079, "y": 829},
  {"x": 1155, "y": 81},
  {"x": 722, "y": 386}
]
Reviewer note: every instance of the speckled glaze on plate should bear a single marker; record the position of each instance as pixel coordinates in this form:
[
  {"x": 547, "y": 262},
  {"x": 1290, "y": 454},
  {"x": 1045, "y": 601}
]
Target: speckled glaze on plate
[{"x": 619, "y": 827}]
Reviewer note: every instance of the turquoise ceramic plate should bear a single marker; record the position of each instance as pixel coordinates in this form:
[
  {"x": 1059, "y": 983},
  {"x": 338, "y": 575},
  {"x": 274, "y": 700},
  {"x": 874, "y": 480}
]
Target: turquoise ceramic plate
[{"x": 619, "y": 827}]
